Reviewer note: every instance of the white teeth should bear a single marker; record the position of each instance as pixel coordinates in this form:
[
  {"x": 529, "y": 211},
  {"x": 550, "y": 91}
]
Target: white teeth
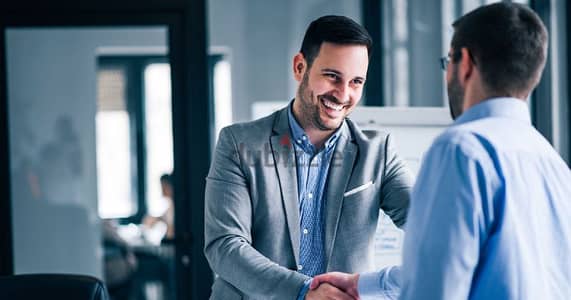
[{"x": 332, "y": 105}]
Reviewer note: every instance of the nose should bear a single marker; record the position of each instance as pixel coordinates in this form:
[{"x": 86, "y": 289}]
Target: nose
[{"x": 343, "y": 92}]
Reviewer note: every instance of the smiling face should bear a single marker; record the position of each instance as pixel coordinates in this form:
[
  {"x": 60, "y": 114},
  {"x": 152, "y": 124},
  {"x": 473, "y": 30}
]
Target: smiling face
[{"x": 331, "y": 87}]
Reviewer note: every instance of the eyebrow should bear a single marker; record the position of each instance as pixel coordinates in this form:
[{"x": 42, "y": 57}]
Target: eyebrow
[{"x": 328, "y": 70}]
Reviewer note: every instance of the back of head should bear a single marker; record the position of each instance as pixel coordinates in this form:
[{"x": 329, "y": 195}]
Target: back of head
[
  {"x": 333, "y": 29},
  {"x": 508, "y": 42},
  {"x": 166, "y": 179}
]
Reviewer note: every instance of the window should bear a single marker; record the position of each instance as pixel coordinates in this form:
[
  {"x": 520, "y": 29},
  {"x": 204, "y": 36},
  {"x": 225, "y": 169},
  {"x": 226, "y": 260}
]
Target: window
[
  {"x": 219, "y": 65},
  {"x": 134, "y": 135},
  {"x": 158, "y": 132},
  {"x": 113, "y": 146},
  {"x": 135, "y": 144},
  {"x": 415, "y": 34}
]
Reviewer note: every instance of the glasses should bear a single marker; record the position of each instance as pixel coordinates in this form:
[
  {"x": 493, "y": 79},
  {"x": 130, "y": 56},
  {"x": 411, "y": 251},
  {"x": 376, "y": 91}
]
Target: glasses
[{"x": 445, "y": 60}]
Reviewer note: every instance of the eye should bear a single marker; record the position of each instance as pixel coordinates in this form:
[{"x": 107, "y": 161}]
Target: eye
[
  {"x": 358, "y": 81},
  {"x": 332, "y": 76}
]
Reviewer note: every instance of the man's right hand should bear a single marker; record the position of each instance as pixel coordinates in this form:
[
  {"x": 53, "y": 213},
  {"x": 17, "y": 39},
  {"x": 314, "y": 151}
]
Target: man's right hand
[
  {"x": 347, "y": 283},
  {"x": 329, "y": 292}
]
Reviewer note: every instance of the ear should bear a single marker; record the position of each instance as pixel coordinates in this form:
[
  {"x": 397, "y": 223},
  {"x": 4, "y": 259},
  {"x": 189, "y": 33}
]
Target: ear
[
  {"x": 466, "y": 67},
  {"x": 299, "y": 66}
]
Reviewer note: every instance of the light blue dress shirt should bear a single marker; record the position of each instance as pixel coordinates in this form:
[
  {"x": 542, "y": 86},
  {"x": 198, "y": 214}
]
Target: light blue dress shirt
[
  {"x": 490, "y": 214},
  {"x": 312, "y": 169}
]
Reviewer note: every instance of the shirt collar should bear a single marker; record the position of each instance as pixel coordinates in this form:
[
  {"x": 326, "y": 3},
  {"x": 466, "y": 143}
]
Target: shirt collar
[
  {"x": 512, "y": 108},
  {"x": 302, "y": 140}
]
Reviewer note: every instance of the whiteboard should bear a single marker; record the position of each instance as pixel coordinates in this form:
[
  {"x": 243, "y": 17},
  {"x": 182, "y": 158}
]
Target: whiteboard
[{"x": 413, "y": 129}]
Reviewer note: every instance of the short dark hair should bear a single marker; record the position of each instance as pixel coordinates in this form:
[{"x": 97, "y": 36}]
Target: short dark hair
[
  {"x": 508, "y": 42},
  {"x": 333, "y": 29}
]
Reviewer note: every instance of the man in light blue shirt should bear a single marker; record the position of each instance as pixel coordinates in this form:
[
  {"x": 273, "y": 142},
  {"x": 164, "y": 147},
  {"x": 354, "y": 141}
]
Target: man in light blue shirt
[{"x": 490, "y": 214}]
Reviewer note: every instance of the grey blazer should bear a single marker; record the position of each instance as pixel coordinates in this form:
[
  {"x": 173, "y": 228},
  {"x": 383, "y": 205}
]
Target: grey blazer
[{"x": 252, "y": 232}]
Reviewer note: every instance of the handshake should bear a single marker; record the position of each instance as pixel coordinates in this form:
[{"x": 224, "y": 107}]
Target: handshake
[
  {"x": 334, "y": 285},
  {"x": 384, "y": 284}
]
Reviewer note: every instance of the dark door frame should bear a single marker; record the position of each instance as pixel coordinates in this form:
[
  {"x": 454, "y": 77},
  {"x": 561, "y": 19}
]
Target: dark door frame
[
  {"x": 192, "y": 114},
  {"x": 372, "y": 13}
]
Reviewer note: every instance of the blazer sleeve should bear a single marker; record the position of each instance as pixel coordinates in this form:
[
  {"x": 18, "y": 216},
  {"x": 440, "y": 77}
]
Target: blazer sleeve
[
  {"x": 228, "y": 236},
  {"x": 396, "y": 187}
]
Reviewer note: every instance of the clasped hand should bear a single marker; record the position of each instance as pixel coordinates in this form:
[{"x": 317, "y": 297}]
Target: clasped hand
[{"x": 334, "y": 286}]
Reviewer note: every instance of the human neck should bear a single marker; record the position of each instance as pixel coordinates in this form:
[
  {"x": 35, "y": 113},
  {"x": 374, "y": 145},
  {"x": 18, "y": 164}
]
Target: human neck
[
  {"x": 475, "y": 94},
  {"x": 475, "y": 98},
  {"x": 318, "y": 137}
]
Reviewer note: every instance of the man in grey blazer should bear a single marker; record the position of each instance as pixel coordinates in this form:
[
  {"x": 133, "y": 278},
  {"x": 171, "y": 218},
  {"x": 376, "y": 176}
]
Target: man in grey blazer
[{"x": 298, "y": 193}]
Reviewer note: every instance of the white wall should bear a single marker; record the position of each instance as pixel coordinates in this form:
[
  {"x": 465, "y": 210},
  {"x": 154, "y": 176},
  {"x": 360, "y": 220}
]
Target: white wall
[{"x": 52, "y": 106}]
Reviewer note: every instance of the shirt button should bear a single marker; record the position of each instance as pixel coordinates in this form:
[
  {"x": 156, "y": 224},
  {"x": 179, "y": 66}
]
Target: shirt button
[
  {"x": 310, "y": 195},
  {"x": 305, "y": 231},
  {"x": 300, "y": 267},
  {"x": 299, "y": 141},
  {"x": 304, "y": 137}
]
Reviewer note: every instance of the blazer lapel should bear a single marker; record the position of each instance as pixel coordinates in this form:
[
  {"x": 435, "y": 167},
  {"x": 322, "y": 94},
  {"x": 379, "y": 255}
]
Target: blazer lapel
[
  {"x": 340, "y": 171},
  {"x": 284, "y": 161}
]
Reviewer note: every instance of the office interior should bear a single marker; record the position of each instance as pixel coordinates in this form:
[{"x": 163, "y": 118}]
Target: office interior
[{"x": 100, "y": 99}]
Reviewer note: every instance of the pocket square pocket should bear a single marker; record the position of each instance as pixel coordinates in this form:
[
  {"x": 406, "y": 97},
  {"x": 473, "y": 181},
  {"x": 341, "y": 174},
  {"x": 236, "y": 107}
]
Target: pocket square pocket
[{"x": 358, "y": 189}]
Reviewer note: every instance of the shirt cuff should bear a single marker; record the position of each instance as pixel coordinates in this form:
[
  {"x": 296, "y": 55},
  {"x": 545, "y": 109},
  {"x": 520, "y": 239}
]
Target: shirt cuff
[
  {"x": 384, "y": 284},
  {"x": 304, "y": 289},
  {"x": 369, "y": 284}
]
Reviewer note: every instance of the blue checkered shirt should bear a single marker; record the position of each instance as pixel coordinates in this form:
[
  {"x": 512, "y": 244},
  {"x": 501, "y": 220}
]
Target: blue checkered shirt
[{"x": 312, "y": 168}]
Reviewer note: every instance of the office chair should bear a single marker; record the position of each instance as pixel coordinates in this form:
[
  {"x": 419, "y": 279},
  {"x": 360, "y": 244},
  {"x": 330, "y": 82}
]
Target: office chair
[{"x": 52, "y": 286}]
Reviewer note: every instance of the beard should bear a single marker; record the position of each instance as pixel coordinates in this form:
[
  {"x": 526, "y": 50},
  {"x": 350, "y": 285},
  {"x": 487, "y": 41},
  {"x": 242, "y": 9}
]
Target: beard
[
  {"x": 310, "y": 106},
  {"x": 455, "y": 95}
]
